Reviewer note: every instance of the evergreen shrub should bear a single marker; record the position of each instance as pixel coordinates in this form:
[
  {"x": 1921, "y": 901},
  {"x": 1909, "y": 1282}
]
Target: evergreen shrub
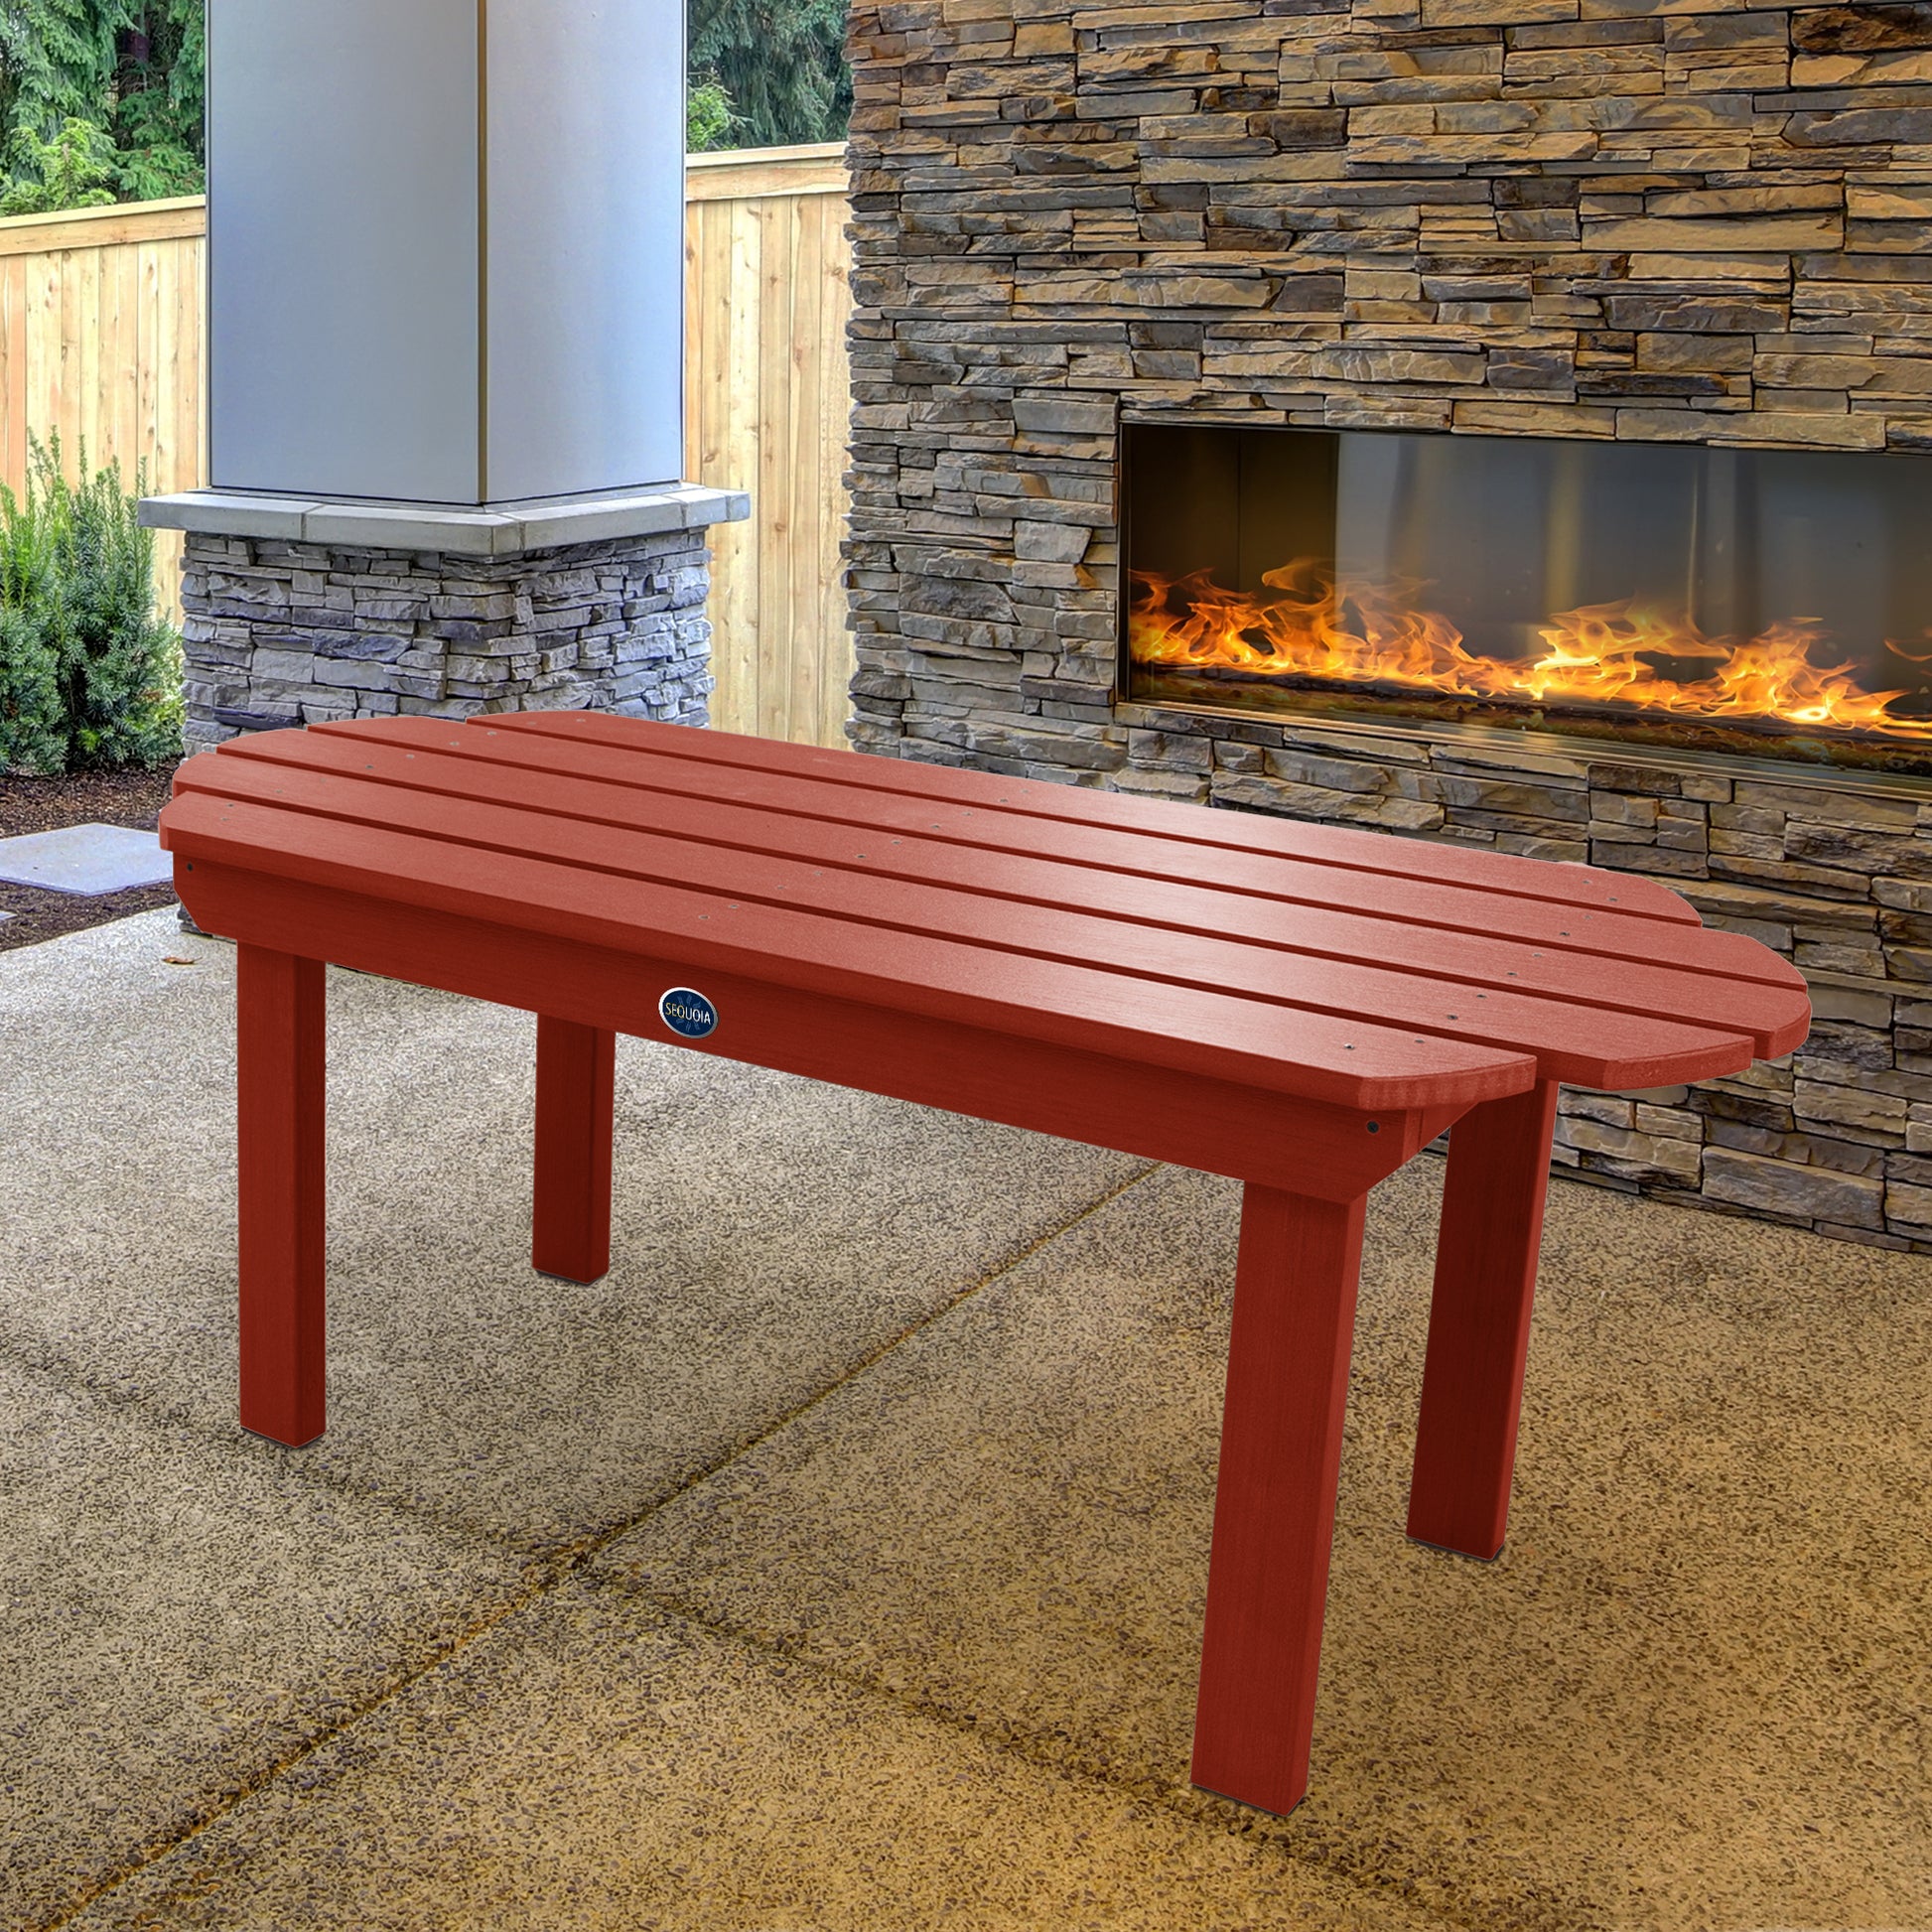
[{"x": 90, "y": 673}]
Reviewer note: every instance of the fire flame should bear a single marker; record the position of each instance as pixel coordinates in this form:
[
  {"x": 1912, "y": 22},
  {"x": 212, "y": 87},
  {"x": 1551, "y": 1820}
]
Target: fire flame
[{"x": 1313, "y": 626}]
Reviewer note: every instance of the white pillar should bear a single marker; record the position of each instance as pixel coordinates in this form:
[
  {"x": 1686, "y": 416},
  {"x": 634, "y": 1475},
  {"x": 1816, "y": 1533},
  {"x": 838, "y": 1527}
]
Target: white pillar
[{"x": 446, "y": 248}]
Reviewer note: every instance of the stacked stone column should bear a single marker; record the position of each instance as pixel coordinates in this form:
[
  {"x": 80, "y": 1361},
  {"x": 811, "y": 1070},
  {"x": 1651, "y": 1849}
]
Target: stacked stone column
[{"x": 280, "y": 632}]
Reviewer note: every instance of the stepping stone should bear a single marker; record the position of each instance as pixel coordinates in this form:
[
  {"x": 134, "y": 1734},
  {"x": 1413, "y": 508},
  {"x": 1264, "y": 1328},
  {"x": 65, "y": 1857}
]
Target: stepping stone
[{"x": 86, "y": 859}]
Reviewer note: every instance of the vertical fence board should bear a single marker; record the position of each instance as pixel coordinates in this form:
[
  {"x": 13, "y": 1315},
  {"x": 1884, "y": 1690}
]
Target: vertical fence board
[
  {"x": 81, "y": 355},
  {"x": 771, "y": 485},
  {"x": 837, "y": 655},
  {"x": 103, "y": 341},
  {"x": 41, "y": 347},
  {"x": 804, "y": 353},
  {"x": 728, "y": 409},
  {"x": 122, "y": 427},
  {"x": 13, "y": 368}
]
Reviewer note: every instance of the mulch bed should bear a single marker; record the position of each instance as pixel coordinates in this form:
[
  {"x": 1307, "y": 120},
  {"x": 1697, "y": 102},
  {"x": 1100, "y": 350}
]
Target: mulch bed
[{"x": 132, "y": 798}]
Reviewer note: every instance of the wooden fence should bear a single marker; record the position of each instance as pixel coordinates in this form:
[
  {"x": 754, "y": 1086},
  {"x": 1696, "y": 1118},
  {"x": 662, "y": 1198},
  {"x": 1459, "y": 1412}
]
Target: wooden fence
[
  {"x": 100, "y": 343},
  {"x": 101, "y": 340},
  {"x": 765, "y": 408}
]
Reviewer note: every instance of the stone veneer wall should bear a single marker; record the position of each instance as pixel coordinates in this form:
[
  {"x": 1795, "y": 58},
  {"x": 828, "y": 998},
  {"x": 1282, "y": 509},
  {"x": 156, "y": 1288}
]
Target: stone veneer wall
[
  {"x": 1660, "y": 219},
  {"x": 281, "y": 633},
  {"x": 1701, "y": 220},
  {"x": 1835, "y": 877}
]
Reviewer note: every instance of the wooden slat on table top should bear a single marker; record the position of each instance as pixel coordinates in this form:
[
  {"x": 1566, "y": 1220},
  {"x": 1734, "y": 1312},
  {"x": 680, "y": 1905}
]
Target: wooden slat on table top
[
  {"x": 1596, "y": 1047},
  {"x": 1331, "y": 845},
  {"x": 1649, "y": 979},
  {"x": 1588, "y": 1017},
  {"x": 631, "y": 788},
  {"x": 1250, "y": 1042}
]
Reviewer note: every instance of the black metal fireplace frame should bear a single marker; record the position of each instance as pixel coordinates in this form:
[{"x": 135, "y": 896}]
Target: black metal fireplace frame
[{"x": 1572, "y": 728}]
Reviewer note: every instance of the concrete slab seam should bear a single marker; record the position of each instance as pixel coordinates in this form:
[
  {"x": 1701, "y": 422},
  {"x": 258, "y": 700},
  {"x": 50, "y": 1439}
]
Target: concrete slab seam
[{"x": 549, "y": 1572}]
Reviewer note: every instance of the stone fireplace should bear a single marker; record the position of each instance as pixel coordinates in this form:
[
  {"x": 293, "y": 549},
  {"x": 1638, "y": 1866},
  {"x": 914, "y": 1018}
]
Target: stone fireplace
[{"x": 1418, "y": 270}]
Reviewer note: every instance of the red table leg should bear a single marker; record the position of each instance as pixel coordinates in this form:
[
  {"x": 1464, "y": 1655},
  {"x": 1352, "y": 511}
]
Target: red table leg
[
  {"x": 280, "y": 1060},
  {"x": 1479, "y": 1322},
  {"x": 1274, "y": 1508},
  {"x": 576, "y": 1091}
]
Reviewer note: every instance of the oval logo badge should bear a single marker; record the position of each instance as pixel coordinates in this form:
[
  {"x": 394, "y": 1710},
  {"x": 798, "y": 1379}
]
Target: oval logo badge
[{"x": 687, "y": 1012}]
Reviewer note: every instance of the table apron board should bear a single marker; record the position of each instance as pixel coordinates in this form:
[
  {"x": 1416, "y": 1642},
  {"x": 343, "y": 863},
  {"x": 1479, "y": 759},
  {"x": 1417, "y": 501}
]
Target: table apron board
[{"x": 1193, "y": 1119}]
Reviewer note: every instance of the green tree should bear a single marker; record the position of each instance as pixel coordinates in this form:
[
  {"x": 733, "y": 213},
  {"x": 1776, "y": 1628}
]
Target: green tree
[
  {"x": 131, "y": 69},
  {"x": 780, "y": 62},
  {"x": 763, "y": 74},
  {"x": 160, "y": 99}
]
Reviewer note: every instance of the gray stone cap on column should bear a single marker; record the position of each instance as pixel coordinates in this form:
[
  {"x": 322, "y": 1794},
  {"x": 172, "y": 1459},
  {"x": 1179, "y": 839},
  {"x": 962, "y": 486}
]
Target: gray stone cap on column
[{"x": 487, "y": 530}]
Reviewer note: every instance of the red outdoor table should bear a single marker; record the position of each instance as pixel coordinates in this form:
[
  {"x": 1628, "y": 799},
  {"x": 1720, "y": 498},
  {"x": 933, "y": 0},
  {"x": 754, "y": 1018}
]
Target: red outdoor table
[{"x": 1298, "y": 1006}]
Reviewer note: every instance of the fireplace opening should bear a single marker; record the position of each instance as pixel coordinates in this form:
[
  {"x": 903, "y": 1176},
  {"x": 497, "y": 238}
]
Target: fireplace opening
[{"x": 1774, "y": 603}]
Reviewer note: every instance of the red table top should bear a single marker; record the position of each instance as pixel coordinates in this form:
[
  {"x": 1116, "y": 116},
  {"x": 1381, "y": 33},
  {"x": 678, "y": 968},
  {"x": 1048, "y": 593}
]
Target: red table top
[{"x": 1342, "y": 966}]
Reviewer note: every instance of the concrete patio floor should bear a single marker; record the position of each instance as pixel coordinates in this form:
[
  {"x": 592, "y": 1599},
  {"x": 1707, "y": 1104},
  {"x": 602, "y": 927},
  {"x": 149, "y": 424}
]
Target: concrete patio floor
[{"x": 839, "y": 1560}]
